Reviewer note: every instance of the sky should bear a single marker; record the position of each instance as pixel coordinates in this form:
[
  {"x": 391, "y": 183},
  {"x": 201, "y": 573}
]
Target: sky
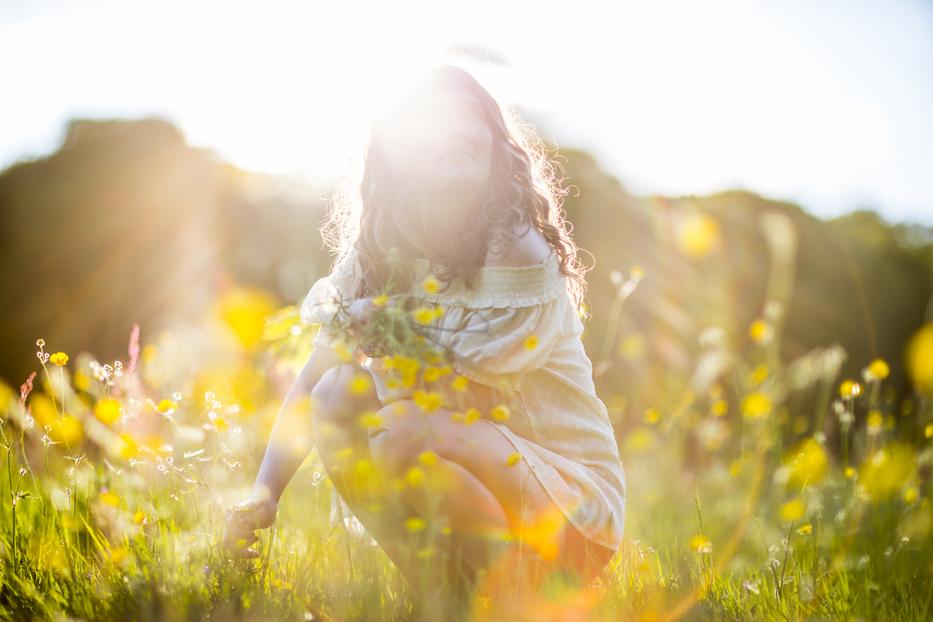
[{"x": 826, "y": 104}]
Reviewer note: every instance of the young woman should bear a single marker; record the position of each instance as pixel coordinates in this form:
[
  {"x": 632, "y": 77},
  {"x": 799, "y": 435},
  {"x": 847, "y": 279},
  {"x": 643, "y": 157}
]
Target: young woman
[{"x": 531, "y": 472}]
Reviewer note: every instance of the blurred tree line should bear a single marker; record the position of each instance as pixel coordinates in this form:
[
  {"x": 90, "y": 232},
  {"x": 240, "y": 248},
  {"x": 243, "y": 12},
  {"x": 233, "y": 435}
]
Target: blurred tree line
[{"x": 126, "y": 223}]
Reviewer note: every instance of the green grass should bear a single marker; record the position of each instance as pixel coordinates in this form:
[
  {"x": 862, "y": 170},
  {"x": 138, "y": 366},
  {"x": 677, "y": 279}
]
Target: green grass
[{"x": 722, "y": 522}]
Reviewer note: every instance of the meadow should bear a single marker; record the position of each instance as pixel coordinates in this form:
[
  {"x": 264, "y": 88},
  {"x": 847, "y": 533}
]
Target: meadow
[{"x": 118, "y": 474}]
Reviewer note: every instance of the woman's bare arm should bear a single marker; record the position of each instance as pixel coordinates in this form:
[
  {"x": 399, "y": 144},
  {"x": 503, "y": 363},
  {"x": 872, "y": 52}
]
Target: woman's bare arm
[
  {"x": 288, "y": 446},
  {"x": 290, "y": 439}
]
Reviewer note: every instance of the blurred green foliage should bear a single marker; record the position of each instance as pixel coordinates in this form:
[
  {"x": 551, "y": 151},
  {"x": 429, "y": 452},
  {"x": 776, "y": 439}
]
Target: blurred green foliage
[{"x": 127, "y": 224}]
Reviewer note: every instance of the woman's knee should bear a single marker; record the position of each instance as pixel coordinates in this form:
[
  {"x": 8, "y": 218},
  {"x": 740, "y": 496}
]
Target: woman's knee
[
  {"x": 337, "y": 402},
  {"x": 341, "y": 390},
  {"x": 333, "y": 383}
]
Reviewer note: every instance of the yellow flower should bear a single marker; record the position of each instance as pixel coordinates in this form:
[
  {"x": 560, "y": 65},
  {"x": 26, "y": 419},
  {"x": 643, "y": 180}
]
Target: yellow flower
[
  {"x": 874, "y": 421},
  {"x": 118, "y": 554},
  {"x": 110, "y": 498},
  {"x": 431, "y": 374},
  {"x": 107, "y": 410},
  {"x": 243, "y": 311},
  {"x": 82, "y": 380},
  {"x": 920, "y": 358},
  {"x": 531, "y": 342},
  {"x": 640, "y": 440},
  {"x": 366, "y": 479},
  {"x": 805, "y": 529},
  {"x": 697, "y": 234},
  {"x": 756, "y": 405},
  {"x": 887, "y": 470},
  {"x": 59, "y": 358},
  {"x": 759, "y": 331},
  {"x": 359, "y": 384},
  {"x": 500, "y": 412},
  {"x": 793, "y": 510},
  {"x": 167, "y": 406},
  {"x": 428, "y": 401},
  {"x": 381, "y": 300},
  {"x": 910, "y": 495},
  {"x": 806, "y": 463},
  {"x": 343, "y": 350},
  {"x": 149, "y": 352},
  {"x": 720, "y": 407},
  {"x": 128, "y": 447},
  {"x": 543, "y": 533},
  {"x": 759, "y": 374},
  {"x": 430, "y": 285},
  {"x": 471, "y": 416},
  {"x": 139, "y": 517},
  {"x": 460, "y": 383},
  {"x": 220, "y": 423},
  {"x": 415, "y": 524},
  {"x": 415, "y": 477},
  {"x": 513, "y": 458},
  {"x": 427, "y": 458},
  {"x": 67, "y": 430},
  {"x": 849, "y": 472},
  {"x": 698, "y": 542},
  {"x": 849, "y": 389},
  {"x": 928, "y": 430},
  {"x": 425, "y": 553},
  {"x": 877, "y": 370},
  {"x": 423, "y": 315},
  {"x": 369, "y": 420},
  {"x": 651, "y": 416}
]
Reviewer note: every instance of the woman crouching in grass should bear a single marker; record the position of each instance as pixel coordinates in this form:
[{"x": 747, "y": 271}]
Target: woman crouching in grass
[{"x": 452, "y": 402}]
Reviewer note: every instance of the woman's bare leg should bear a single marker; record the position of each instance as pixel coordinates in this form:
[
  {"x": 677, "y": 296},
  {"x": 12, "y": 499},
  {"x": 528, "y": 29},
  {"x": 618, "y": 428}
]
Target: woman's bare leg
[
  {"x": 344, "y": 449},
  {"x": 469, "y": 486},
  {"x": 478, "y": 479}
]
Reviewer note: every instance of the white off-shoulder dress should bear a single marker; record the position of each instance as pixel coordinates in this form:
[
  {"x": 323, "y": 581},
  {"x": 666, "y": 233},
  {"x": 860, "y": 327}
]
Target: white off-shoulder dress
[{"x": 557, "y": 422}]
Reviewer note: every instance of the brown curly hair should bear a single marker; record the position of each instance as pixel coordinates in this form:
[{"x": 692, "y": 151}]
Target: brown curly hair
[{"x": 523, "y": 189}]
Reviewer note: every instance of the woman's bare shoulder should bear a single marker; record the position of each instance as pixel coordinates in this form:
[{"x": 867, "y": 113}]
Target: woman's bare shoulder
[{"x": 530, "y": 247}]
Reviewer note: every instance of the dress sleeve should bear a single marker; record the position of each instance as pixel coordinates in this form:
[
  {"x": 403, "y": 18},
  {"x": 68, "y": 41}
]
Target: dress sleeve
[
  {"x": 497, "y": 345},
  {"x": 320, "y": 303}
]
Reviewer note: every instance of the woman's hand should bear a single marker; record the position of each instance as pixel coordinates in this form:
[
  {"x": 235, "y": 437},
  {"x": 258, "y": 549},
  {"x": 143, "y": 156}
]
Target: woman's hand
[{"x": 256, "y": 512}]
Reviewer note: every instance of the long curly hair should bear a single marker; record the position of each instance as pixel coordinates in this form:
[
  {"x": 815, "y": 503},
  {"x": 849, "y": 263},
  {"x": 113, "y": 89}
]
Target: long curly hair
[{"x": 523, "y": 189}]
